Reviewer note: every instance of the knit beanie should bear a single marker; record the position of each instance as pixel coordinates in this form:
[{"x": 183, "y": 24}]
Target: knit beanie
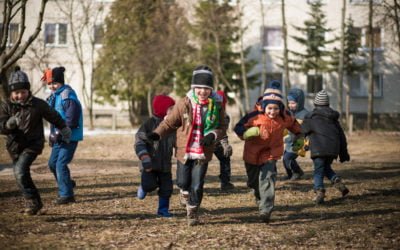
[
  {"x": 57, "y": 74},
  {"x": 202, "y": 77},
  {"x": 273, "y": 94},
  {"x": 161, "y": 103},
  {"x": 224, "y": 98},
  {"x": 322, "y": 98},
  {"x": 18, "y": 80}
]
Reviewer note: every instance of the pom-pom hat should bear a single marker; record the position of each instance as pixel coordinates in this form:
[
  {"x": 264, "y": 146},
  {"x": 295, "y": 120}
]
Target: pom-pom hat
[{"x": 18, "y": 80}]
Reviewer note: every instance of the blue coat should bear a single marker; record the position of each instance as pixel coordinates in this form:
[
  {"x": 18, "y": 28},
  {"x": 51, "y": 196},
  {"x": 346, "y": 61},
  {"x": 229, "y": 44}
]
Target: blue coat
[{"x": 65, "y": 101}]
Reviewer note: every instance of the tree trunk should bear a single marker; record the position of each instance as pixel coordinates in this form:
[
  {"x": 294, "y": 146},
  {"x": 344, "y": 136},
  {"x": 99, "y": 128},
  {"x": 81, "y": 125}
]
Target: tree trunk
[
  {"x": 370, "y": 70},
  {"x": 263, "y": 52},
  {"x": 397, "y": 20},
  {"x": 286, "y": 81},
  {"x": 341, "y": 60},
  {"x": 243, "y": 65}
]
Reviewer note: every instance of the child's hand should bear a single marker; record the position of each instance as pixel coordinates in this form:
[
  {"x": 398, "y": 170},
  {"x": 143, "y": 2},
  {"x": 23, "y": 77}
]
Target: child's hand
[
  {"x": 207, "y": 140},
  {"x": 12, "y": 122},
  {"x": 298, "y": 144},
  {"x": 226, "y": 147},
  {"x": 251, "y": 132},
  {"x": 146, "y": 163}
]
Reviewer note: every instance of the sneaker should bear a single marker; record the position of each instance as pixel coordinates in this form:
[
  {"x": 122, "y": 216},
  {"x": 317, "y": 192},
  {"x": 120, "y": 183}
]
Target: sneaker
[
  {"x": 319, "y": 196},
  {"x": 192, "y": 216},
  {"x": 297, "y": 176},
  {"x": 227, "y": 186},
  {"x": 265, "y": 217},
  {"x": 33, "y": 206},
  {"x": 64, "y": 200},
  {"x": 183, "y": 197},
  {"x": 141, "y": 194},
  {"x": 339, "y": 185}
]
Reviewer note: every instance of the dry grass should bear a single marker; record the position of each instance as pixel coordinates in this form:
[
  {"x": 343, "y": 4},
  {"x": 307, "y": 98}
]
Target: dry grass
[{"x": 107, "y": 214}]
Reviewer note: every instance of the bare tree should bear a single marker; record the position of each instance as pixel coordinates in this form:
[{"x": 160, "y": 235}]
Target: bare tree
[
  {"x": 10, "y": 55},
  {"x": 370, "y": 69},
  {"x": 242, "y": 60},
  {"x": 83, "y": 16}
]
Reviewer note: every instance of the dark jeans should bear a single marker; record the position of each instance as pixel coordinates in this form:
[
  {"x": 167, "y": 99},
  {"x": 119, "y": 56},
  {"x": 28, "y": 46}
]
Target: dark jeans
[
  {"x": 22, "y": 168},
  {"x": 156, "y": 179},
  {"x": 290, "y": 163},
  {"x": 224, "y": 165},
  {"x": 61, "y": 155},
  {"x": 322, "y": 167},
  {"x": 262, "y": 179},
  {"x": 190, "y": 177}
]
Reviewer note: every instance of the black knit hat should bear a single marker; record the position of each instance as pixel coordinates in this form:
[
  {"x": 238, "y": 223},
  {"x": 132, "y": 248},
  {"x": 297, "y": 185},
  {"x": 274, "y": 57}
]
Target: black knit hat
[
  {"x": 58, "y": 74},
  {"x": 202, "y": 77},
  {"x": 18, "y": 80}
]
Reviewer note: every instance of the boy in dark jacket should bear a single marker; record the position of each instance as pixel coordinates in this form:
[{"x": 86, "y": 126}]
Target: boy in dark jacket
[
  {"x": 21, "y": 119},
  {"x": 156, "y": 160},
  {"x": 327, "y": 142}
]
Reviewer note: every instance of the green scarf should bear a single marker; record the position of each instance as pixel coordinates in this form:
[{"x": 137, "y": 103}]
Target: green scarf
[{"x": 212, "y": 116}]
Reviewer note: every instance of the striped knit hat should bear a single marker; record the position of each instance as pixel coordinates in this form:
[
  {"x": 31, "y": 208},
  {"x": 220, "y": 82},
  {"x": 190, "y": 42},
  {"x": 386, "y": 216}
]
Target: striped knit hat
[
  {"x": 273, "y": 94},
  {"x": 322, "y": 98},
  {"x": 202, "y": 77}
]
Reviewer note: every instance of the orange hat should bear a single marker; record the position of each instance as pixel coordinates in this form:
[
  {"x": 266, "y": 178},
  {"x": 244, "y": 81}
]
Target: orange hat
[{"x": 47, "y": 76}]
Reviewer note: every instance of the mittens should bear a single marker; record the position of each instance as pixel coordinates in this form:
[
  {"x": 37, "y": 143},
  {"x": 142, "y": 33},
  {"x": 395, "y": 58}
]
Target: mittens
[
  {"x": 153, "y": 136},
  {"x": 298, "y": 144},
  {"x": 66, "y": 134},
  {"x": 251, "y": 132},
  {"x": 226, "y": 147},
  {"x": 146, "y": 163},
  {"x": 12, "y": 122},
  {"x": 207, "y": 140}
]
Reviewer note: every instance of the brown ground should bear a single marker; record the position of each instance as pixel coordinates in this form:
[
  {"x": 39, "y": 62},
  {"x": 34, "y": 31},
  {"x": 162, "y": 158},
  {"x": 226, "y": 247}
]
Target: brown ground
[{"x": 107, "y": 214}]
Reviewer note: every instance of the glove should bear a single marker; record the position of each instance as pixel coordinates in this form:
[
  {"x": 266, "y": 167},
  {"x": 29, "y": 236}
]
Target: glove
[
  {"x": 54, "y": 138},
  {"x": 207, "y": 140},
  {"x": 298, "y": 144},
  {"x": 153, "y": 136},
  {"x": 66, "y": 134},
  {"x": 251, "y": 132},
  {"x": 226, "y": 147},
  {"x": 12, "y": 122},
  {"x": 146, "y": 163},
  {"x": 344, "y": 157}
]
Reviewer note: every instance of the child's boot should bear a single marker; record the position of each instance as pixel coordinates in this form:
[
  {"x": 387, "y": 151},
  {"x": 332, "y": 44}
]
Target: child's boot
[
  {"x": 192, "y": 216},
  {"x": 339, "y": 185},
  {"x": 183, "y": 197},
  {"x": 141, "y": 194},
  {"x": 33, "y": 206},
  {"x": 163, "y": 207},
  {"x": 319, "y": 196}
]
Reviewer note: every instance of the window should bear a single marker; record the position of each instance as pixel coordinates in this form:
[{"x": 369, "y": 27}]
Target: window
[
  {"x": 363, "y": 37},
  {"x": 13, "y": 33},
  {"x": 314, "y": 83},
  {"x": 98, "y": 34},
  {"x": 273, "y": 38},
  {"x": 359, "y": 85},
  {"x": 55, "y": 34},
  {"x": 272, "y": 76},
  {"x": 365, "y": 1}
]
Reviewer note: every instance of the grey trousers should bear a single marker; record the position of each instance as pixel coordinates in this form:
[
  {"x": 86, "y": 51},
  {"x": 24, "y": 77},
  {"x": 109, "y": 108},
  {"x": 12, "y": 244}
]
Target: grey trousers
[{"x": 262, "y": 179}]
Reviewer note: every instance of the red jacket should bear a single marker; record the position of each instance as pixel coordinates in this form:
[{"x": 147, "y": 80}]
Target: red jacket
[{"x": 269, "y": 145}]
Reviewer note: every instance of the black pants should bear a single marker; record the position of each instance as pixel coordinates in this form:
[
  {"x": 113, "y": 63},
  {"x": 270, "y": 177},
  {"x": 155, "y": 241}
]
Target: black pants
[
  {"x": 224, "y": 165},
  {"x": 156, "y": 179},
  {"x": 190, "y": 177},
  {"x": 22, "y": 173}
]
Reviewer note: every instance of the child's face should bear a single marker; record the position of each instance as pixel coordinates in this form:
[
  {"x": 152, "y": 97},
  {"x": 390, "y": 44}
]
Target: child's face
[
  {"x": 202, "y": 93},
  {"x": 20, "y": 95},
  {"x": 292, "y": 105},
  {"x": 272, "y": 110},
  {"x": 54, "y": 86}
]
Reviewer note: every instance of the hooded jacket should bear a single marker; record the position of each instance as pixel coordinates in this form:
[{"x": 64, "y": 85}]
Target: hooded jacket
[
  {"x": 299, "y": 114},
  {"x": 327, "y": 138},
  {"x": 29, "y": 136}
]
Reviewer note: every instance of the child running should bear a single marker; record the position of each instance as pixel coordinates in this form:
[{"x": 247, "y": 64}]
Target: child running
[
  {"x": 156, "y": 160},
  {"x": 264, "y": 145}
]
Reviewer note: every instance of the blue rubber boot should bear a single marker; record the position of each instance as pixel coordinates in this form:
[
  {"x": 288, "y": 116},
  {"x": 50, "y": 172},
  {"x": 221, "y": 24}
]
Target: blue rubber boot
[
  {"x": 163, "y": 207},
  {"x": 141, "y": 194}
]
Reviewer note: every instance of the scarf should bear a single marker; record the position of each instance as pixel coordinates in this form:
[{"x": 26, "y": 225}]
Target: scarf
[{"x": 201, "y": 125}]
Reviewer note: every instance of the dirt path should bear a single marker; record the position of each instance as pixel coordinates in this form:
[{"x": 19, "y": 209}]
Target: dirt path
[{"x": 107, "y": 214}]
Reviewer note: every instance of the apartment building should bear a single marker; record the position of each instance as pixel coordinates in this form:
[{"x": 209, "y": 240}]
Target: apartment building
[{"x": 55, "y": 47}]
